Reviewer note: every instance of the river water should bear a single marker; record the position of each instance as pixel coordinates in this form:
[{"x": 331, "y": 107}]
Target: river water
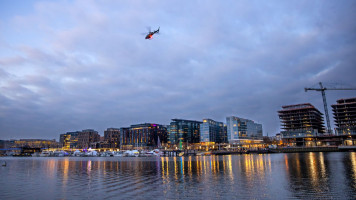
[{"x": 250, "y": 176}]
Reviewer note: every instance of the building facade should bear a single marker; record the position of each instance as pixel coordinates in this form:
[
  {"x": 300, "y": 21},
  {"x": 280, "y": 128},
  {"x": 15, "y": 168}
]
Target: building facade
[
  {"x": 241, "y": 129},
  {"x": 88, "y": 137},
  {"x": 69, "y": 140},
  {"x": 125, "y": 138},
  {"x": 212, "y": 131},
  {"x": 345, "y": 116},
  {"x": 35, "y": 143},
  {"x": 145, "y": 135},
  {"x": 301, "y": 120},
  {"x": 112, "y": 137},
  {"x": 186, "y": 131}
]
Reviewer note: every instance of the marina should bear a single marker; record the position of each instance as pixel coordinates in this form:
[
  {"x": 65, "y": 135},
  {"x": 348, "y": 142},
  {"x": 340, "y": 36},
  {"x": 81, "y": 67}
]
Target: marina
[{"x": 172, "y": 153}]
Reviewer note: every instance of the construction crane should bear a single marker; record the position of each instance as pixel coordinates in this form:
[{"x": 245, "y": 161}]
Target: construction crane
[{"x": 322, "y": 90}]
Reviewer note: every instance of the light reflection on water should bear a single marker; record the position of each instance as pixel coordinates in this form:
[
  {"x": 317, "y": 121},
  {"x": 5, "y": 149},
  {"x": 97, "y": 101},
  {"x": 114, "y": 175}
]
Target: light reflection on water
[{"x": 265, "y": 176}]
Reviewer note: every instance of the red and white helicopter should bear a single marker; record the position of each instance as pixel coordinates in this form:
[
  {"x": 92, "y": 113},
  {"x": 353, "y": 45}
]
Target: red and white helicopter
[{"x": 151, "y": 33}]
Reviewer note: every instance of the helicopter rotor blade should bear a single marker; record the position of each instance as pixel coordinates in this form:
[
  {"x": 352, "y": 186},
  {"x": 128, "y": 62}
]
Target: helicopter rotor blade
[{"x": 148, "y": 28}]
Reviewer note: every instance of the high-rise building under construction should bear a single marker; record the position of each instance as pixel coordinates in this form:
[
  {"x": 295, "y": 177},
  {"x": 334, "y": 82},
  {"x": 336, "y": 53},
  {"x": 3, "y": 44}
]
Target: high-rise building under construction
[
  {"x": 345, "y": 116},
  {"x": 301, "y": 120}
]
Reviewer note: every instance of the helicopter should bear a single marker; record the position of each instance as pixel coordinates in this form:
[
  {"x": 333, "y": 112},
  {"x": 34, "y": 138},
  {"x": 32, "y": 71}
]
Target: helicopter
[{"x": 151, "y": 33}]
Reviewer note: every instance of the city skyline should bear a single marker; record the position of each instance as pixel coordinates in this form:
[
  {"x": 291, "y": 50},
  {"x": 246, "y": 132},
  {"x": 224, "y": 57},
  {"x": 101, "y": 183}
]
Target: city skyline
[{"x": 74, "y": 65}]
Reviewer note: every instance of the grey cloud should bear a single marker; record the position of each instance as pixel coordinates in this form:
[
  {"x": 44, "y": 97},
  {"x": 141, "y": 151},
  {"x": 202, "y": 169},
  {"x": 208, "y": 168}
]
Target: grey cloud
[
  {"x": 212, "y": 59},
  {"x": 17, "y": 60}
]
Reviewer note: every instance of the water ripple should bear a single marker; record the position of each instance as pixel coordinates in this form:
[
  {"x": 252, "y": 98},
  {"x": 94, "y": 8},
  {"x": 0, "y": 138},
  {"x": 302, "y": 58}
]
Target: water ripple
[{"x": 270, "y": 176}]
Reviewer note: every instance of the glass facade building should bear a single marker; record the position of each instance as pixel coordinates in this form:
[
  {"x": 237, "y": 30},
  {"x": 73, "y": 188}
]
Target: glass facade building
[
  {"x": 240, "y": 128},
  {"x": 69, "y": 140},
  {"x": 212, "y": 131},
  {"x": 187, "y": 131}
]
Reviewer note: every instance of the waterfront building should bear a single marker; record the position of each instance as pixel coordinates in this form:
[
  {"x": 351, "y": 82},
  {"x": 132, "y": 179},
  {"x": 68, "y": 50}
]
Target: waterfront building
[
  {"x": 240, "y": 130},
  {"x": 3, "y": 147},
  {"x": 2, "y": 144},
  {"x": 112, "y": 137},
  {"x": 69, "y": 140},
  {"x": 9, "y": 144},
  {"x": 301, "y": 120},
  {"x": 125, "y": 138},
  {"x": 213, "y": 131},
  {"x": 186, "y": 131},
  {"x": 145, "y": 135},
  {"x": 35, "y": 143},
  {"x": 26, "y": 147},
  {"x": 87, "y": 137},
  {"x": 345, "y": 116}
]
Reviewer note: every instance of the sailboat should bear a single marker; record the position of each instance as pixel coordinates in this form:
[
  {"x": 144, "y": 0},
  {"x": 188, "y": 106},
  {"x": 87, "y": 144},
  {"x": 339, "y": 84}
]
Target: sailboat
[{"x": 159, "y": 143}]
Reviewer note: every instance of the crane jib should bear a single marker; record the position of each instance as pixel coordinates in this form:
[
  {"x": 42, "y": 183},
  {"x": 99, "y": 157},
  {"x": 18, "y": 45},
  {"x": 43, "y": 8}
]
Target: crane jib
[{"x": 322, "y": 90}]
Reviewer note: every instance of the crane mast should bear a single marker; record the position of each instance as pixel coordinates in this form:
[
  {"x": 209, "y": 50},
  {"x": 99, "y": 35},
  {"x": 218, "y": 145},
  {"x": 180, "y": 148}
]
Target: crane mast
[
  {"x": 322, "y": 90},
  {"x": 325, "y": 108}
]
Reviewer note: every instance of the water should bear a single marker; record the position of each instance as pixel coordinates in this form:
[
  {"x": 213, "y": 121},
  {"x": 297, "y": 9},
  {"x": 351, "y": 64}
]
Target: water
[{"x": 267, "y": 176}]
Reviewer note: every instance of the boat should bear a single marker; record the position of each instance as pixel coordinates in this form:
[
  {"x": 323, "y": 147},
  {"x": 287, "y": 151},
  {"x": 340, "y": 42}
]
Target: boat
[
  {"x": 147, "y": 154},
  {"x": 45, "y": 153},
  {"x": 150, "y": 153},
  {"x": 77, "y": 153},
  {"x": 144, "y": 153},
  {"x": 91, "y": 153},
  {"x": 155, "y": 152},
  {"x": 59, "y": 153},
  {"x": 118, "y": 153},
  {"x": 107, "y": 154},
  {"x": 131, "y": 153},
  {"x": 36, "y": 154}
]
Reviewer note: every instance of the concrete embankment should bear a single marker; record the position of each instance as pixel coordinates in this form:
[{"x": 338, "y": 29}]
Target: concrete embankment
[
  {"x": 347, "y": 148},
  {"x": 226, "y": 152},
  {"x": 305, "y": 149},
  {"x": 291, "y": 150}
]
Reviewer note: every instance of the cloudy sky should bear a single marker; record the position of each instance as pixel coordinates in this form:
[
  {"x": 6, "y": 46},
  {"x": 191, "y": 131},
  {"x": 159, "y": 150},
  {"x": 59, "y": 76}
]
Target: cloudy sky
[{"x": 74, "y": 65}]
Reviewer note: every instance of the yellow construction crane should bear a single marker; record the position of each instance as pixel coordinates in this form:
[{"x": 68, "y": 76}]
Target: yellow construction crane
[{"x": 322, "y": 90}]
